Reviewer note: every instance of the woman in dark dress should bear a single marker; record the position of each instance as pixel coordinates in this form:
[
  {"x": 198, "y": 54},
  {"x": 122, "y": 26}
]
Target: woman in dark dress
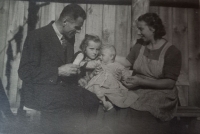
[{"x": 156, "y": 66}]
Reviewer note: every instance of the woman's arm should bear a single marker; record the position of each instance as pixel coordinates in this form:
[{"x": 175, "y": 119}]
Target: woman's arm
[
  {"x": 135, "y": 81},
  {"x": 123, "y": 61}
]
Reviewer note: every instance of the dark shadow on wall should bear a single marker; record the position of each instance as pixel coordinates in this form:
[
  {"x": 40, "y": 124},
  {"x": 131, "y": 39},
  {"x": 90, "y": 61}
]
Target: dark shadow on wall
[
  {"x": 33, "y": 14},
  {"x": 10, "y": 57},
  {"x": 18, "y": 37}
]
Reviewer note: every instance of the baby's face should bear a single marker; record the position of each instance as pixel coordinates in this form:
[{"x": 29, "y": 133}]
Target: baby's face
[{"x": 106, "y": 56}]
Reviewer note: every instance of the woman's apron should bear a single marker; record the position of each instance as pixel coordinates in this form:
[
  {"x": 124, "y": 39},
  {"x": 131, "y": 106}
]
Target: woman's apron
[{"x": 161, "y": 103}]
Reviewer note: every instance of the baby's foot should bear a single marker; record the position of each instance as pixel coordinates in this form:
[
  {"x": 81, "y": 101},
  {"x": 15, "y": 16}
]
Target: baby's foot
[{"x": 107, "y": 106}]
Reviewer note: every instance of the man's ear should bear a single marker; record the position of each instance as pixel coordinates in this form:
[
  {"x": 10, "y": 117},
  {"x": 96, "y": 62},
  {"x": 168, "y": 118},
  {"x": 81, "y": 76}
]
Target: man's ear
[
  {"x": 112, "y": 57},
  {"x": 65, "y": 20}
]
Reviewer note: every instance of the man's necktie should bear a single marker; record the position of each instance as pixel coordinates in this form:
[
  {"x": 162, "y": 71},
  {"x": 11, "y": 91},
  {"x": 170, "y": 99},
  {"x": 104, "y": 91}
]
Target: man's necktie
[{"x": 64, "y": 42}]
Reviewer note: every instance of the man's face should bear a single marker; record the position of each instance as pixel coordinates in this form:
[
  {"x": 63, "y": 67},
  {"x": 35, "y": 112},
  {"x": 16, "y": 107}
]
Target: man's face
[{"x": 72, "y": 27}]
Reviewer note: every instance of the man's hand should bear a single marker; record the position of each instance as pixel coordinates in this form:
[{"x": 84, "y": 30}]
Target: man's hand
[{"x": 68, "y": 70}]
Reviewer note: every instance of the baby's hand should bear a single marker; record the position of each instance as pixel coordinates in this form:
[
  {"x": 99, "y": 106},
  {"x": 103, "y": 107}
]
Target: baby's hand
[
  {"x": 98, "y": 69},
  {"x": 118, "y": 74},
  {"x": 98, "y": 63}
]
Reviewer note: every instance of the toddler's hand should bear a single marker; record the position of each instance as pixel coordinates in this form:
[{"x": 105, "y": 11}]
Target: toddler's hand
[
  {"x": 82, "y": 82},
  {"x": 91, "y": 64}
]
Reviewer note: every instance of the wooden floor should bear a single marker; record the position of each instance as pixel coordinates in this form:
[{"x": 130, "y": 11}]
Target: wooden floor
[{"x": 30, "y": 125}]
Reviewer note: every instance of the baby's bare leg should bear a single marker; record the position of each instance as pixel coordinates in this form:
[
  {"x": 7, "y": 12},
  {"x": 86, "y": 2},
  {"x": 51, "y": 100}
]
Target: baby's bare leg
[{"x": 99, "y": 93}]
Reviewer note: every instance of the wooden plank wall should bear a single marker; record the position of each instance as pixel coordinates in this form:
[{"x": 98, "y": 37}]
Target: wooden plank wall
[
  {"x": 112, "y": 23},
  {"x": 182, "y": 26}
]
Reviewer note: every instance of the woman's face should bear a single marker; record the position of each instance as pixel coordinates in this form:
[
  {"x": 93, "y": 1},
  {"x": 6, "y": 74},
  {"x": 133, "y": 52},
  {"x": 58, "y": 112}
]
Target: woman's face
[
  {"x": 92, "y": 50},
  {"x": 144, "y": 31}
]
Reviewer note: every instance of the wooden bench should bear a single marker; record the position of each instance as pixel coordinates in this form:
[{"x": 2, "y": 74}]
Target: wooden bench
[
  {"x": 188, "y": 111},
  {"x": 185, "y": 120}
]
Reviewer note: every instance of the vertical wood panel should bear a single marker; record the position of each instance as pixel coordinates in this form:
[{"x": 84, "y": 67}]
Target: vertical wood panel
[
  {"x": 25, "y": 29},
  {"x": 183, "y": 95},
  {"x": 58, "y": 8},
  {"x": 46, "y": 14},
  {"x": 165, "y": 14},
  {"x": 121, "y": 29},
  {"x": 8, "y": 58},
  {"x": 4, "y": 12},
  {"x": 128, "y": 39},
  {"x": 39, "y": 10},
  {"x": 139, "y": 7},
  {"x": 109, "y": 21},
  {"x": 193, "y": 43},
  {"x": 179, "y": 39},
  {"x": 14, "y": 42},
  {"x": 80, "y": 36},
  {"x": 94, "y": 19},
  {"x": 198, "y": 52},
  {"x": 154, "y": 9}
]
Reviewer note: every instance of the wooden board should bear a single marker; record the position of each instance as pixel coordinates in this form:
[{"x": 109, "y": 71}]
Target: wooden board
[
  {"x": 14, "y": 42},
  {"x": 121, "y": 30},
  {"x": 179, "y": 39},
  {"x": 94, "y": 19},
  {"x": 109, "y": 21},
  {"x": 80, "y": 36},
  {"x": 193, "y": 45},
  {"x": 4, "y": 13},
  {"x": 165, "y": 14}
]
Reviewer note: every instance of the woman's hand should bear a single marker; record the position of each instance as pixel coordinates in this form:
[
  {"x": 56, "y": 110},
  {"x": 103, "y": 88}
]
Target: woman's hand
[{"x": 131, "y": 82}]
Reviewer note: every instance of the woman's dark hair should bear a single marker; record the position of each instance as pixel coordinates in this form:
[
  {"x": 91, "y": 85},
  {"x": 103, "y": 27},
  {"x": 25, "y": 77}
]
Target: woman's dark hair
[
  {"x": 154, "y": 21},
  {"x": 88, "y": 38},
  {"x": 73, "y": 11}
]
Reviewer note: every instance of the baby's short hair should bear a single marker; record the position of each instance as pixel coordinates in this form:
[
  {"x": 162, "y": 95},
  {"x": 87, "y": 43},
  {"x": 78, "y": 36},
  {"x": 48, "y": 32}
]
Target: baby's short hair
[{"x": 111, "y": 48}]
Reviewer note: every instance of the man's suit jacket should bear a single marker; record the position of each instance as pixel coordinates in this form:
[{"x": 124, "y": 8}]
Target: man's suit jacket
[{"x": 42, "y": 55}]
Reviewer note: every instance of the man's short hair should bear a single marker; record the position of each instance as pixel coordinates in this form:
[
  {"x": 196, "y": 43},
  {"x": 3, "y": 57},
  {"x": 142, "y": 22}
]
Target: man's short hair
[{"x": 73, "y": 11}]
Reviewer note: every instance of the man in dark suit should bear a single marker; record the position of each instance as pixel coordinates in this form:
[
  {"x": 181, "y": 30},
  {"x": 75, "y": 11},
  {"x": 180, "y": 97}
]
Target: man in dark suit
[{"x": 47, "y": 75}]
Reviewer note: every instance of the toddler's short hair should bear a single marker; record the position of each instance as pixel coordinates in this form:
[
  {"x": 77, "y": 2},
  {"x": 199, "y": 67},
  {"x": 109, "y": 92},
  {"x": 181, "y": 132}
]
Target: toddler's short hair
[{"x": 89, "y": 37}]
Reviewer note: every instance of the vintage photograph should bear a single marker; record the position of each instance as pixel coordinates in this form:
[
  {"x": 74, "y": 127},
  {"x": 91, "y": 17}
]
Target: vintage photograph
[{"x": 99, "y": 67}]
